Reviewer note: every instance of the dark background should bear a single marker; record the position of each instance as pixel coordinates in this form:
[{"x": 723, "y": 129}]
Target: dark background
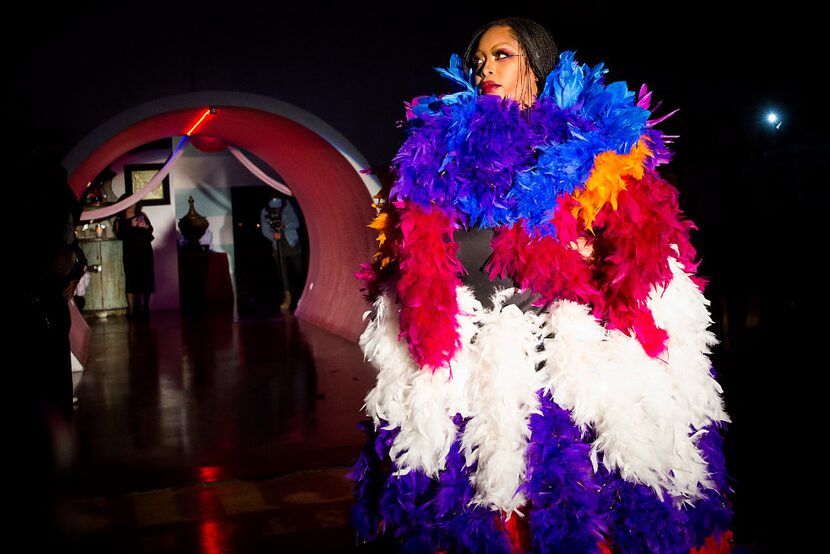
[
  {"x": 756, "y": 194},
  {"x": 353, "y": 64}
]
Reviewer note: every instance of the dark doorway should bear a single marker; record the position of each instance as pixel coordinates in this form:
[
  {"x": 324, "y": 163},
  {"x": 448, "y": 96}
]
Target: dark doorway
[{"x": 259, "y": 288}]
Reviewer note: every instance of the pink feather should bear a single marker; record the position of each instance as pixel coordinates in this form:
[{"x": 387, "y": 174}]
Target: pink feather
[
  {"x": 637, "y": 238},
  {"x": 429, "y": 276}
]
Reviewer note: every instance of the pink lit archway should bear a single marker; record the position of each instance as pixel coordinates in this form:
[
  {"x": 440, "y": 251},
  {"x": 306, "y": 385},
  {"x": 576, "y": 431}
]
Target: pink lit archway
[{"x": 334, "y": 197}]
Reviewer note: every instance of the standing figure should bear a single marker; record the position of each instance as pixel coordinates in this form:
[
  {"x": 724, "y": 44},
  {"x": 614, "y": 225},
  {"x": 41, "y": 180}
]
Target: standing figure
[
  {"x": 134, "y": 229},
  {"x": 280, "y": 225},
  {"x": 42, "y": 401},
  {"x": 571, "y": 405}
]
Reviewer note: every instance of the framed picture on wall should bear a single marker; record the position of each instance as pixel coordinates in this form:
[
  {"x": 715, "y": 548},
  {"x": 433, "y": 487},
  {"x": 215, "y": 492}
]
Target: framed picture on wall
[{"x": 137, "y": 176}]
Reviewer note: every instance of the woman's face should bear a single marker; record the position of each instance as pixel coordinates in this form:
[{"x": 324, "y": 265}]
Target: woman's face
[{"x": 500, "y": 67}]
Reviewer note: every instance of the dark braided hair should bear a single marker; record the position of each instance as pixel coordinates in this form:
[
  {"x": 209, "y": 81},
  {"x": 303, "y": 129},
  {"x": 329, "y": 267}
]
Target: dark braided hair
[{"x": 536, "y": 42}]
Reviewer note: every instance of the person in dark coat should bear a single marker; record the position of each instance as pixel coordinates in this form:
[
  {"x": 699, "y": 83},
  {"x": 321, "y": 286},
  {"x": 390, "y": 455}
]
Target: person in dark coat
[
  {"x": 42, "y": 384},
  {"x": 134, "y": 229}
]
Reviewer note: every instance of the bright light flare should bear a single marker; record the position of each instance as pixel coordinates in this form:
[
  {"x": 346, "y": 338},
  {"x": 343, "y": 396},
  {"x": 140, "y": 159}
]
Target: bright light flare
[{"x": 773, "y": 120}]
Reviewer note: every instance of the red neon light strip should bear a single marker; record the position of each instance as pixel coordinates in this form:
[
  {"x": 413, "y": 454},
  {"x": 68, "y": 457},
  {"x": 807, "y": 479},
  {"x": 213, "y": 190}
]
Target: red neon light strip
[{"x": 204, "y": 115}]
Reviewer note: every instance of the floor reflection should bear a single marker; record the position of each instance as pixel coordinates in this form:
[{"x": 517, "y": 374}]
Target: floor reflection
[{"x": 200, "y": 434}]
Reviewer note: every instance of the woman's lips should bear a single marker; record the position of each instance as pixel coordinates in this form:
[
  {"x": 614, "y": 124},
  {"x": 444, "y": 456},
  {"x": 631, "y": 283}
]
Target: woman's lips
[{"x": 488, "y": 86}]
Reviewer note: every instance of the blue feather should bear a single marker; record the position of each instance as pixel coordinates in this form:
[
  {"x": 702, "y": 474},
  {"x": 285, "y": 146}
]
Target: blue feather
[
  {"x": 455, "y": 72},
  {"x": 466, "y": 153}
]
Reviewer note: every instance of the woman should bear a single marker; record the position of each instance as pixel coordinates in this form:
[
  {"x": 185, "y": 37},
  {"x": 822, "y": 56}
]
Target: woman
[
  {"x": 578, "y": 411},
  {"x": 134, "y": 229}
]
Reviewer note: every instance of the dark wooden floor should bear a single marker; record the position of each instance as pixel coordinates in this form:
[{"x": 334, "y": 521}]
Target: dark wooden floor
[{"x": 200, "y": 434}]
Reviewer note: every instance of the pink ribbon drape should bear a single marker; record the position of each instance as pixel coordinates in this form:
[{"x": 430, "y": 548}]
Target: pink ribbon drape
[
  {"x": 103, "y": 213},
  {"x": 155, "y": 182},
  {"x": 258, "y": 172}
]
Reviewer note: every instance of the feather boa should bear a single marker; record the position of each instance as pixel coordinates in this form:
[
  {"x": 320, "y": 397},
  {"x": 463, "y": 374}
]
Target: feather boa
[
  {"x": 420, "y": 404},
  {"x": 429, "y": 272},
  {"x": 380, "y": 275},
  {"x": 639, "y": 237},
  {"x": 465, "y": 150},
  {"x": 494, "y": 378},
  {"x": 582, "y": 158},
  {"x": 598, "y": 416},
  {"x": 561, "y": 485},
  {"x": 427, "y": 515},
  {"x": 573, "y": 509},
  {"x": 641, "y": 408},
  {"x": 502, "y": 388}
]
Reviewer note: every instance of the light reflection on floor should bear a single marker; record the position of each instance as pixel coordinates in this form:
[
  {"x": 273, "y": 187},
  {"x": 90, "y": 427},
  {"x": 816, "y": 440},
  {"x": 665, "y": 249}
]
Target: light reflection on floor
[{"x": 205, "y": 435}]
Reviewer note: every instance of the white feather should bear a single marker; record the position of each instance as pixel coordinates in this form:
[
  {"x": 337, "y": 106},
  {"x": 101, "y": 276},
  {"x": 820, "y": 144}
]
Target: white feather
[
  {"x": 682, "y": 310},
  {"x": 502, "y": 393},
  {"x": 428, "y": 430},
  {"x": 420, "y": 403},
  {"x": 641, "y": 408},
  {"x": 391, "y": 358}
]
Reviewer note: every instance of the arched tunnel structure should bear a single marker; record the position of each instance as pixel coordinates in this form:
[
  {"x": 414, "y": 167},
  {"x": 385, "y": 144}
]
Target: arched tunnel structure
[{"x": 320, "y": 166}]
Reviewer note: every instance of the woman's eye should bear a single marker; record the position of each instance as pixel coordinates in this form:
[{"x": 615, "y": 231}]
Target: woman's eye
[{"x": 497, "y": 55}]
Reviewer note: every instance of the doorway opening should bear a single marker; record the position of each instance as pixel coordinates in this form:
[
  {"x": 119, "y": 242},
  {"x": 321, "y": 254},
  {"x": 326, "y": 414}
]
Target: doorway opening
[{"x": 260, "y": 287}]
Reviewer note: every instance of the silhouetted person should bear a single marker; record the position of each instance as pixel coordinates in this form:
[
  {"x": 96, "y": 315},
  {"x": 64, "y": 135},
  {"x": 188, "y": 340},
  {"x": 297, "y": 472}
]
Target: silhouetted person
[
  {"x": 134, "y": 229},
  {"x": 280, "y": 225},
  {"x": 52, "y": 265}
]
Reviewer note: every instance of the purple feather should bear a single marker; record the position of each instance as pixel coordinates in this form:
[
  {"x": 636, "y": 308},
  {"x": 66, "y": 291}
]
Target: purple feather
[
  {"x": 427, "y": 515},
  {"x": 640, "y": 522},
  {"x": 712, "y": 515},
  {"x": 561, "y": 486}
]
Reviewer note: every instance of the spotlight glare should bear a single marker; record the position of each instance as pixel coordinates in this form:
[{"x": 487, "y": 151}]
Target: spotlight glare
[{"x": 773, "y": 119}]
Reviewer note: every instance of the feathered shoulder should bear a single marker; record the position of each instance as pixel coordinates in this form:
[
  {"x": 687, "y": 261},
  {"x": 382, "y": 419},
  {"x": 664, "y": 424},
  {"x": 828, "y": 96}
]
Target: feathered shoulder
[{"x": 497, "y": 164}]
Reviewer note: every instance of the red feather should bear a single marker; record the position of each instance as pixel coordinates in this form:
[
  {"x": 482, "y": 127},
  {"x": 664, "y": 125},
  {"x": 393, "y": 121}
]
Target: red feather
[
  {"x": 636, "y": 242},
  {"x": 429, "y": 276},
  {"x": 543, "y": 265}
]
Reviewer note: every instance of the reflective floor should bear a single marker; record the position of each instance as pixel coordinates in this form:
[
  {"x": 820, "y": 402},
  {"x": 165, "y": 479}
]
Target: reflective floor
[
  {"x": 205, "y": 435},
  {"x": 199, "y": 434}
]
